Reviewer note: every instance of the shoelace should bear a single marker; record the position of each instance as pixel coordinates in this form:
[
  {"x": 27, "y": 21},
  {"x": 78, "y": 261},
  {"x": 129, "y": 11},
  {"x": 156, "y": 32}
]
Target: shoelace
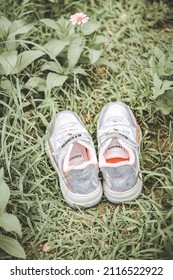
[
  {"x": 68, "y": 136},
  {"x": 116, "y": 129},
  {"x": 72, "y": 128}
]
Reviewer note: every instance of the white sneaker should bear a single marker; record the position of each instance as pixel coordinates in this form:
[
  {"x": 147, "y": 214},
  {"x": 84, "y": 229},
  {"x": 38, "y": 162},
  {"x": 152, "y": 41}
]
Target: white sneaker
[
  {"x": 72, "y": 154},
  {"x": 119, "y": 137}
]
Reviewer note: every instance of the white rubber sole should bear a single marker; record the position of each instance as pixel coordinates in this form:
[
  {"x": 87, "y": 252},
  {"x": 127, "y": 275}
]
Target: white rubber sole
[
  {"x": 76, "y": 200},
  {"x": 119, "y": 197}
]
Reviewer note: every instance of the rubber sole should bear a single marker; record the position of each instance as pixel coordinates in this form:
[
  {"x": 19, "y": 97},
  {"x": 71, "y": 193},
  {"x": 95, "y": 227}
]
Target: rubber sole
[
  {"x": 119, "y": 197},
  {"x": 76, "y": 200}
]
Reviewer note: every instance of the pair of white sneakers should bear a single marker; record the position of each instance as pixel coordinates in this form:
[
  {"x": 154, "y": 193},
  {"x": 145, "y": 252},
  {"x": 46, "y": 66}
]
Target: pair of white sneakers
[{"x": 73, "y": 156}]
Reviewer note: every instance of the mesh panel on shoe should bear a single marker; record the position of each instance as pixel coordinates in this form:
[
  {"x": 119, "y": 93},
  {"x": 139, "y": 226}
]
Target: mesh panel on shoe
[
  {"x": 83, "y": 181},
  {"x": 120, "y": 179}
]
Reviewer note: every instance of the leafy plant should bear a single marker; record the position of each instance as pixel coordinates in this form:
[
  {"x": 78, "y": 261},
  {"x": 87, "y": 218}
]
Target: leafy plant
[
  {"x": 161, "y": 65},
  {"x": 68, "y": 53},
  {"x": 11, "y": 61},
  {"x": 8, "y": 223},
  {"x": 74, "y": 49}
]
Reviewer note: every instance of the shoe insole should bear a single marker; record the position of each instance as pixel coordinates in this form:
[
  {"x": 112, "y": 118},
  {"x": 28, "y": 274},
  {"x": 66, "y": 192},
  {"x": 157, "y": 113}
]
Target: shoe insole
[
  {"x": 78, "y": 155},
  {"x": 115, "y": 152}
]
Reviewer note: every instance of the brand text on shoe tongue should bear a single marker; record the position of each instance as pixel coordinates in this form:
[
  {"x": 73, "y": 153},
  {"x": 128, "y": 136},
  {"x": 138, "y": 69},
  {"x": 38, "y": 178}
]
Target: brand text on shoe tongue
[{"x": 70, "y": 139}]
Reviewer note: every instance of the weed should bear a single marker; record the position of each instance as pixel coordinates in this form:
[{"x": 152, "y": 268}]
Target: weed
[{"x": 8, "y": 223}]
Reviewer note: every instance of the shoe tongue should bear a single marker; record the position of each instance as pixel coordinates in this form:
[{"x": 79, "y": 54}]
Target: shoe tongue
[
  {"x": 115, "y": 150},
  {"x": 76, "y": 157}
]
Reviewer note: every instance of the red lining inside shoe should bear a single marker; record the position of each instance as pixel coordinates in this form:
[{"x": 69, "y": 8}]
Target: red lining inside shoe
[{"x": 116, "y": 160}]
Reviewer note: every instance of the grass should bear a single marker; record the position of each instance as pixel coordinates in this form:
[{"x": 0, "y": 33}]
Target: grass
[{"x": 141, "y": 229}]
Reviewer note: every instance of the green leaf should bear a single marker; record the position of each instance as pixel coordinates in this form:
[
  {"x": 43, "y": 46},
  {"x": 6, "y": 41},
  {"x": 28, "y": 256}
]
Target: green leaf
[
  {"x": 19, "y": 27},
  {"x": 11, "y": 45},
  {"x": 56, "y": 46},
  {"x": 79, "y": 70},
  {"x": 166, "y": 86},
  {"x": 169, "y": 68},
  {"x": 94, "y": 55},
  {"x": 90, "y": 27},
  {"x": 101, "y": 39},
  {"x": 65, "y": 30},
  {"x": 4, "y": 192},
  {"x": 50, "y": 23},
  {"x": 55, "y": 80},
  {"x": 36, "y": 82},
  {"x": 160, "y": 87},
  {"x": 165, "y": 102},
  {"x": 52, "y": 66},
  {"x": 157, "y": 81},
  {"x": 6, "y": 84},
  {"x": 1, "y": 70},
  {"x": 162, "y": 63},
  {"x": 25, "y": 58},
  {"x": 74, "y": 51},
  {"x": 10, "y": 223},
  {"x": 12, "y": 247},
  {"x": 153, "y": 68},
  {"x": 8, "y": 61},
  {"x": 4, "y": 25}
]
